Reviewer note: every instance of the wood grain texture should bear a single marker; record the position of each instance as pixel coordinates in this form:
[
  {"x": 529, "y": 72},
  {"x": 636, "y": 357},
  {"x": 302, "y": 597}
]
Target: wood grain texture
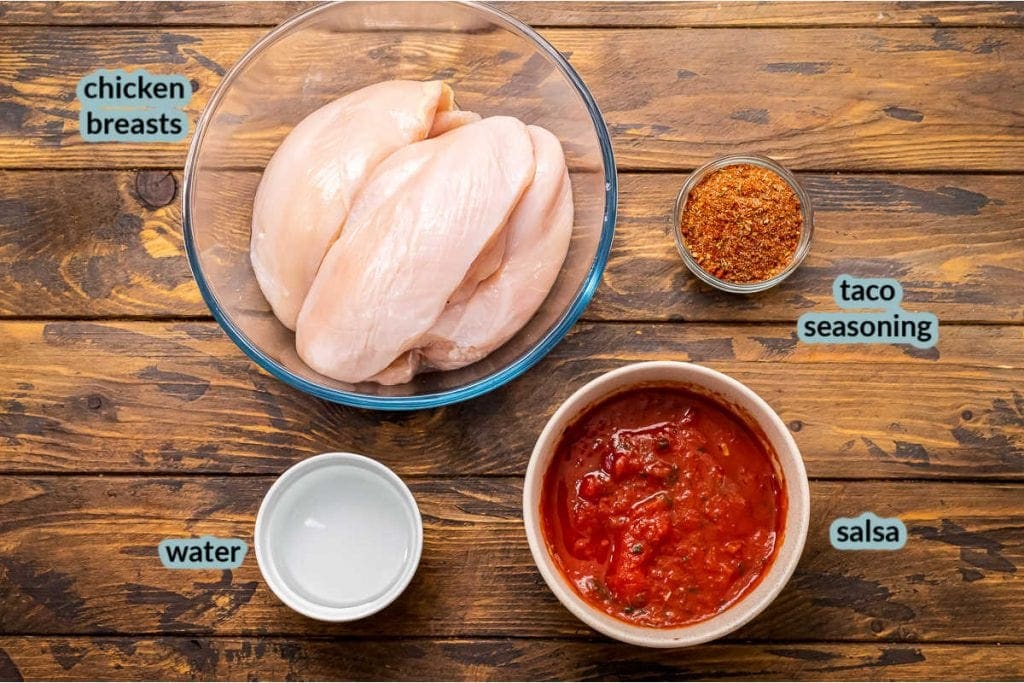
[
  {"x": 778, "y": 14},
  {"x": 78, "y": 556},
  {"x": 120, "y": 254},
  {"x": 179, "y": 397},
  {"x": 544, "y": 14},
  {"x": 94, "y": 243},
  {"x": 116, "y": 434},
  {"x": 836, "y": 99},
  {"x": 179, "y": 13},
  {"x": 907, "y": 227},
  {"x": 512, "y": 659}
]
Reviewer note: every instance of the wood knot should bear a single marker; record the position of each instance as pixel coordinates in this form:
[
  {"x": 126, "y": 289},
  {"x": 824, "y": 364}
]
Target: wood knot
[{"x": 155, "y": 188}]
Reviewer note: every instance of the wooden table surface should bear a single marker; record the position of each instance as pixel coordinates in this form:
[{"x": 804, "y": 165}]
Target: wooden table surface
[{"x": 127, "y": 416}]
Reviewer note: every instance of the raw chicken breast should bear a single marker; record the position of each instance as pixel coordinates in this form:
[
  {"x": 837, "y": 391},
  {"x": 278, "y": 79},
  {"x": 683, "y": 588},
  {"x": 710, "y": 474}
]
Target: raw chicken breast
[
  {"x": 538, "y": 235},
  {"x": 310, "y": 182},
  {"x": 447, "y": 120},
  {"x": 416, "y": 228},
  {"x": 538, "y": 240}
]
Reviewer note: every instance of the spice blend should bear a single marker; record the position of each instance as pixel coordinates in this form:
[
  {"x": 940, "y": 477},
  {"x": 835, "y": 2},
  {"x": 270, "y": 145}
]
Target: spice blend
[{"x": 742, "y": 223}]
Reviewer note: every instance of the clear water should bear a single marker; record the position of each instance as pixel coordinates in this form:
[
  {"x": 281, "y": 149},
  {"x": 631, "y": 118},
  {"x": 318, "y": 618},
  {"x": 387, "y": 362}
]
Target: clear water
[{"x": 344, "y": 536}]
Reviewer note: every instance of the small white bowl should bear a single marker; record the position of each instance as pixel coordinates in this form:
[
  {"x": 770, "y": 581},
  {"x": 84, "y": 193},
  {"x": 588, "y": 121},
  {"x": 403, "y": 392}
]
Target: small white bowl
[
  {"x": 790, "y": 464},
  {"x": 338, "y": 537}
]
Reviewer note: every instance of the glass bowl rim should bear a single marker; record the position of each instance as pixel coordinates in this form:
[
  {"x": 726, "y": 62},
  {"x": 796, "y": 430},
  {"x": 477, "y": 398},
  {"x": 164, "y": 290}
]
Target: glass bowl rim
[
  {"x": 806, "y": 230},
  {"x": 484, "y": 384}
]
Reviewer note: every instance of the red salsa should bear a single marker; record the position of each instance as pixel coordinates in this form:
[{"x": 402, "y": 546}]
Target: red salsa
[{"x": 662, "y": 506}]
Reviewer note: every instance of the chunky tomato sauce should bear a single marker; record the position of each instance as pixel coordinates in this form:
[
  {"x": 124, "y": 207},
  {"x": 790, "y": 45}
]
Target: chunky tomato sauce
[{"x": 662, "y": 506}]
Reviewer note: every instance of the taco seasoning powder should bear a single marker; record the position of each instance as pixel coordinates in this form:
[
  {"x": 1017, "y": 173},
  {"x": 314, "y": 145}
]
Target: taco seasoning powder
[{"x": 742, "y": 223}]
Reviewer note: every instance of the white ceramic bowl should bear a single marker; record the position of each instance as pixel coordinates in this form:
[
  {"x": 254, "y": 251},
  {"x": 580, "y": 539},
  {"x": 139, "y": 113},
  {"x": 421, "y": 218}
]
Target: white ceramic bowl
[
  {"x": 790, "y": 464},
  {"x": 338, "y": 537}
]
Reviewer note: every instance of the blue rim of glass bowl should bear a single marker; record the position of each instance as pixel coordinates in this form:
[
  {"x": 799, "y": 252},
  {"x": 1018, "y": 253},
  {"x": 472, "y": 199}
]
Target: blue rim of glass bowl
[{"x": 440, "y": 398}]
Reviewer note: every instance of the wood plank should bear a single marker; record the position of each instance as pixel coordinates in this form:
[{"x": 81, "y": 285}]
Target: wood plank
[
  {"x": 953, "y": 242},
  {"x": 78, "y": 557},
  {"x": 40, "y": 68},
  {"x": 179, "y": 397},
  {"x": 120, "y": 253},
  {"x": 763, "y": 14},
  {"x": 94, "y": 243},
  {"x": 843, "y": 99},
  {"x": 168, "y": 13},
  {"x": 512, "y": 659},
  {"x": 544, "y": 14}
]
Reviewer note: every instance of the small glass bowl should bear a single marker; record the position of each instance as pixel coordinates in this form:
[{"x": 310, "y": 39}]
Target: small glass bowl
[{"x": 807, "y": 230}]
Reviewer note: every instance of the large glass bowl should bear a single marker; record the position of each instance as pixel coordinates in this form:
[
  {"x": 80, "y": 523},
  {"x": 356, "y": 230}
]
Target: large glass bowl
[{"x": 496, "y": 64}]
